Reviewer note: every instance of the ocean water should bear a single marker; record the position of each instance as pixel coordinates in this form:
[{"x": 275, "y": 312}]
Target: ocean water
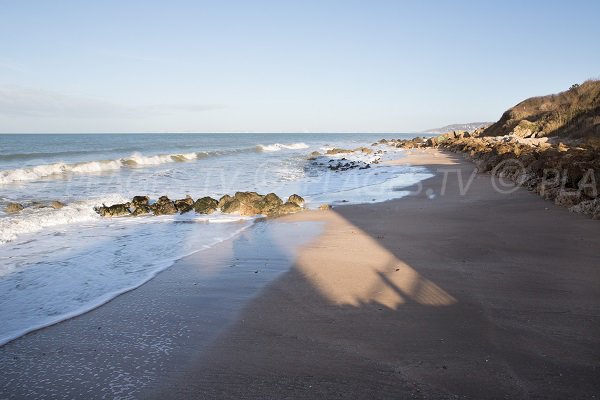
[{"x": 58, "y": 263}]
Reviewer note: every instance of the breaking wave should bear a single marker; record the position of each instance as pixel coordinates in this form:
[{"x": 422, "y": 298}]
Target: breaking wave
[
  {"x": 132, "y": 161},
  {"x": 279, "y": 146}
]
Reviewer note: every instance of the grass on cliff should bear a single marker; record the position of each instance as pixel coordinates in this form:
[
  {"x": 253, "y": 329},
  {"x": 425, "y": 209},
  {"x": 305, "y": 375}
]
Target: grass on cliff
[{"x": 574, "y": 113}]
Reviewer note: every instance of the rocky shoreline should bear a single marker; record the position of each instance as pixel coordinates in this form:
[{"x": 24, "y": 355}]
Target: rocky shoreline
[
  {"x": 566, "y": 172},
  {"x": 241, "y": 203}
]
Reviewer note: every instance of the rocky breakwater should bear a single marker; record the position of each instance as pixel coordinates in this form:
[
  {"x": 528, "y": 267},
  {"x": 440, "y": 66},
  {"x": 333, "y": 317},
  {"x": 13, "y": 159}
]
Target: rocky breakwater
[
  {"x": 241, "y": 203},
  {"x": 13, "y": 208},
  {"x": 566, "y": 172},
  {"x": 335, "y": 159}
]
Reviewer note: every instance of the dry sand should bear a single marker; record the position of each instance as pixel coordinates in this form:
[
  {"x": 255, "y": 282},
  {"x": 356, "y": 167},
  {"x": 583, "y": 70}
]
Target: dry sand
[
  {"x": 440, "y": 294},
  {"x": 437, "y": 295}
]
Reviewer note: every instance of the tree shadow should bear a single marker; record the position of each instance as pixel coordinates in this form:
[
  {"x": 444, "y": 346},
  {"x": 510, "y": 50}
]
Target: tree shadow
[{"x": 481, "y": 295}]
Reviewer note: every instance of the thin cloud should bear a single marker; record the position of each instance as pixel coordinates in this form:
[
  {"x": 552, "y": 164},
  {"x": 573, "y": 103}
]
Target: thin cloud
[{"x": 18, "y": 101}]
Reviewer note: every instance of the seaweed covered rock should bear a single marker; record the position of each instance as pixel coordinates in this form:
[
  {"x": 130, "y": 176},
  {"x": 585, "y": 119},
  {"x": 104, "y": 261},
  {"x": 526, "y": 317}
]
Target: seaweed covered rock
[
  {"x": 164, "y": 206},
  {"x": 243, "y": 203},
  {"x": 57, "y": 205},
  {"x": 206, "y": 205},
  {"x": 141, "y": 205},
  {"x": 287, "y": 208},
  {"x": 116, "y": 210},
  {"x": 269, "y": 203},
  {"x": 184, "y": 205},
  {"x": 224, "y": 200},
  {"x": 140, "y": 200},
  {"x": 299, "y": 201},
  {"x": 13, "y": 207}
]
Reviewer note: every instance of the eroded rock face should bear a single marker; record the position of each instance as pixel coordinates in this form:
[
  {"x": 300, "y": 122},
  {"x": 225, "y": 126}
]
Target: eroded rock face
[
  {"x": 206, "y": 205},
  {"x": 164, "y": 206},
  {"x": 14, "y": 207}
]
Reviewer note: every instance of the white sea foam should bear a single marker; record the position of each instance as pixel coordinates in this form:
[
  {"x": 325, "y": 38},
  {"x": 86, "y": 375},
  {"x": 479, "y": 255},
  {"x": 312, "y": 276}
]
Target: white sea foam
[
  {"x": 32, "y": 219},
  {"x": 57, "y": 282},
  {"x": 279, "y": 146},
  {"x": 56, "y": 169}
]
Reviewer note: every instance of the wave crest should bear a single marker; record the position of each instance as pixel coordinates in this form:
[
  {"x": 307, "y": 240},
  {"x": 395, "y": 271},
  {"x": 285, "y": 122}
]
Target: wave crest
[{"x": 280, "y": 146}]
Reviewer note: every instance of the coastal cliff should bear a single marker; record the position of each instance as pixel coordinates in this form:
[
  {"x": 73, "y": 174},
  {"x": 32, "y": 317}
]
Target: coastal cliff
[{"x": 549, "y": 145}]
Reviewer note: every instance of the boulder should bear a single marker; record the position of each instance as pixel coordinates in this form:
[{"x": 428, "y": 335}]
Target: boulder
[
  {"x": 57, "y": 204},
  {"x": 287, "y": 208},
  {"x": 116, "y": 210},
  {"x": 163, "y": 206},
  {"x": 588, "y": 207},
  {"x": 141, "y": 209},
  {"x": 206, "y": 205},
  {"x": 569, "y": 198},
  {"x": 296, "y": 200},
  {"x": 184, "y": 205},
  {"x": 268, "y": 204},
  {"x": 140, "y": 200},
  {"x": 13, "y": 207},
  {"x": 224, "y": 200},
  {"x": 338, "y": 151},
  {"x": 324, "y": 207},
  {"x": 243, "y": 203}
]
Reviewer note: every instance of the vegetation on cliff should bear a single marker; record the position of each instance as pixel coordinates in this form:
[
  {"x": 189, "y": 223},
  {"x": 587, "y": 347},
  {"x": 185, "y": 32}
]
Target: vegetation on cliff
[{"x": 574, "y": 113}]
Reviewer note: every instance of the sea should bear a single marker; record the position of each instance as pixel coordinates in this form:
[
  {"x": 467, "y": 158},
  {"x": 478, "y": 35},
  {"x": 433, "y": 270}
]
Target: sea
[{"x": 59, "y": 263}]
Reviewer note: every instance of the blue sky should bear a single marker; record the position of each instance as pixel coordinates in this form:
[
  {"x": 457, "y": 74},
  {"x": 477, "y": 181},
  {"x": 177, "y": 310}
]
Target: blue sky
[{"x": 284, "y": 66}]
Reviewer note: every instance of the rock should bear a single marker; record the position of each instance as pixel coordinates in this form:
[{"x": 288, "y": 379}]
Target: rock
[
  {"x": 141, "y": 205},
  {"x": 296, "y": 200},
  {"x": 338, "y": 151},
  {"x": 288, "y": 208},
  {"x": 569, "y": 198},
  {"x": 116, "y": 210},
  {"x": 324, "y": 207},
  {"x": 588, "y": 207},
  {"x": 224, "y": 200},
  {"x": 243, "y": 203},
  {"x": 184, "y": 205},
  {"x": 315, "y": 154},
  {"x": 140, "y": 200},
  {"x": 57, "y": 205},
  {"x": 13, "y": 207},
  {"x": 163, "y": 206},
  {"x": 268, "y": 204},
  {"x": 206, "y": 205},
  {"x": 141, "y": 209},
  {"x": 562, "y": 147}
]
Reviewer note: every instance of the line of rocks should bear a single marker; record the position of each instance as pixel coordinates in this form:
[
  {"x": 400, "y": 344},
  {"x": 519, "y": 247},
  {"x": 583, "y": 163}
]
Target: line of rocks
[
  {"x": 242, "y": 203},
  {"x": 17, "y": 207},
  {"x": 343, "y": 164},
  {"x": 563, "y": 172}
]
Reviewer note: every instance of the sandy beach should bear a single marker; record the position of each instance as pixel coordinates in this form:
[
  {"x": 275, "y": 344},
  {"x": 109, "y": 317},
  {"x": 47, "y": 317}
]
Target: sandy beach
[{"x": 459, "y": 290}]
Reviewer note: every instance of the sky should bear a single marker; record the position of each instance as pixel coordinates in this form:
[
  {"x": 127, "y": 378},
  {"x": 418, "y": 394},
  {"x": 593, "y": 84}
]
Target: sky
[{"x": 284, "y": 66}]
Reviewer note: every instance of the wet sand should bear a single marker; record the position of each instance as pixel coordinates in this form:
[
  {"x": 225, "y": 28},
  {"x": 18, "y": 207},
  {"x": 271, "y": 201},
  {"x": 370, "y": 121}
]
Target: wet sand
[
  {"x": 440, "y": 294},
  {"x": 437, "y": 295}
]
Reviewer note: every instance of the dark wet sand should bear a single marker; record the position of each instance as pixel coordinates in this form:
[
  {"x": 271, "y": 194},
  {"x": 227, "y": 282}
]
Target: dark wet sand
[
  {"x": 486, "y": 295},
  {"x": 141, "y": 339}
]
